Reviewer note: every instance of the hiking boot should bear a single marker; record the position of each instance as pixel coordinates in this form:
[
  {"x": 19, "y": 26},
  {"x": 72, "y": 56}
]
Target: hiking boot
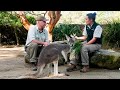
[
  {"x": 85, "y": 69},
  {"x": 34, "y": 66},
  {"x": 71, "y": 68},
  {"x": 26, "y": 58}
]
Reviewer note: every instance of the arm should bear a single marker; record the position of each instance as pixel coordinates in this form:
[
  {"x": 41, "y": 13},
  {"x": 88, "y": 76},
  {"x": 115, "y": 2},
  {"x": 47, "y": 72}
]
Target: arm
[
  {"x": 38, "y": 42},
  {"x": 31, "y": 36},
  {"x": 92, "y": 40},
  {"x": 81, "y": 38},
  {"x": 84, "y": 37}
]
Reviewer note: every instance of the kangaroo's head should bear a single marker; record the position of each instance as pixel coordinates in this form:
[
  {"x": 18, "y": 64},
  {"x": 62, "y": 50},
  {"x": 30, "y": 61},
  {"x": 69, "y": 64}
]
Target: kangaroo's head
[{"x": 70, "y": 40}]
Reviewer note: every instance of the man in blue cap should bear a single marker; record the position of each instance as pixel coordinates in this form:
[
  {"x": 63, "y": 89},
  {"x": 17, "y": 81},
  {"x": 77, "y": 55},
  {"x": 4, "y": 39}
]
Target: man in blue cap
[{"x": 92, "y": 37}]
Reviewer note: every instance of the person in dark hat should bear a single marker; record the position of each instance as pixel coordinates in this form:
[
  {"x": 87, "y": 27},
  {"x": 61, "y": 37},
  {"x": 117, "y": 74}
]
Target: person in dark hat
[
  {"x": 92, "y": 37},
  {"x": 37, "y": 38}
]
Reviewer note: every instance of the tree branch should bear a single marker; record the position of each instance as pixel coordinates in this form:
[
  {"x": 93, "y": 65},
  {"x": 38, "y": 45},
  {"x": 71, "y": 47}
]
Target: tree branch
[{"x": 24, "y": 20}]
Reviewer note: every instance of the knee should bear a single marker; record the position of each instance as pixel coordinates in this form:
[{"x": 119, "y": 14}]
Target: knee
[
  {"x": 84, "y": 48},
  {"x": 34, "y": 45}
]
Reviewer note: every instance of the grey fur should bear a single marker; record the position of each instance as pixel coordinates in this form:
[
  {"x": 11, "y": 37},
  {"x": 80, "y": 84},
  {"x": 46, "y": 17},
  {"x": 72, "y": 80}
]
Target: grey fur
[{"x": 51, "y": 52}]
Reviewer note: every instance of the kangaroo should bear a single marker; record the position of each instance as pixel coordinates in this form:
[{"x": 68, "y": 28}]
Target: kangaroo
[{"x": 51, "y": 54}]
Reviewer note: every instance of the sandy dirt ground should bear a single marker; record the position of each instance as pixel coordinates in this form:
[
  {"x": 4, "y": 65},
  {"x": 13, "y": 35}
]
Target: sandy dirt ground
[
  {"x": 12, "y": 66},
  {"x": 12, "y": 63}
]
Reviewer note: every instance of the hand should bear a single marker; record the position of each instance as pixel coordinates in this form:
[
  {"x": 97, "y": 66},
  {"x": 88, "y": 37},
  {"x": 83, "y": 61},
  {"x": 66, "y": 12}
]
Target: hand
[
  {"x": 45, "y": 43},
  {"x": 86, "y": 44},
  {"x": 78, "y": 37}
]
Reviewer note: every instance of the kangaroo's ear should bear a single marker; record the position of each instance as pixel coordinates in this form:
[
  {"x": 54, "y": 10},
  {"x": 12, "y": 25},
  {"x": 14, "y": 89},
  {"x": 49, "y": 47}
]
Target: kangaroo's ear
[
  {"x": 72, "y": 36},
  {"x": 67, "y": 37}
]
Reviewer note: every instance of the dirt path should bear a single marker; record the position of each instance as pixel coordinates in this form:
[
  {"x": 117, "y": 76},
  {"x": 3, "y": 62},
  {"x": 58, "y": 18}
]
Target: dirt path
[
  {"x": 12, "y": 63},
  {"x": 12, "y": 66}
]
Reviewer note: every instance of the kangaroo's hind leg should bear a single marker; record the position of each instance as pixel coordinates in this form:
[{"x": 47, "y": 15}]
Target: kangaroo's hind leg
[
  {"x": 39, "y": 70},
  {"x": 49, "y": 69},
  {"x": 66, "y": 59},
  {"x": 56, "y": 69}
]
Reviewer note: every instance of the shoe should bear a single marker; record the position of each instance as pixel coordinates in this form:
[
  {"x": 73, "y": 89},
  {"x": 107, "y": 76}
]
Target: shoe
[
  {"x": 71, "y": 68},
  {"x": 34, "y": 68},
  {"x": 26, "y": 59},
  {"x": 85, "y": 69},
  {"x": 34, "y": 63}
]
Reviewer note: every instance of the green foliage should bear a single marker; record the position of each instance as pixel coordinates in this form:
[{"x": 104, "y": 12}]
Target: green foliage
[
  {"x": 11, "y": 28},
  {"x": 7, "y": 18},
  {"x": 111, "y": 33},
  {"x": 61, "y": 29},
  {"x": 31, "y": 19},
  {"x": 77, "y": 47}
]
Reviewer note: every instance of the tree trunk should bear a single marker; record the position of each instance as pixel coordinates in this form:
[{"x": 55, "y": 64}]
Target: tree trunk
[
  {"x": 54, "y": 17},
  {"x": 0, "y": 39},
  {"x": 24, "y": 20},
  {"x": 16, "y": 36}
]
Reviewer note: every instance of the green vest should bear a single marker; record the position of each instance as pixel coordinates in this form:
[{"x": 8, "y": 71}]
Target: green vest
[{"x": 90, "y": 32}]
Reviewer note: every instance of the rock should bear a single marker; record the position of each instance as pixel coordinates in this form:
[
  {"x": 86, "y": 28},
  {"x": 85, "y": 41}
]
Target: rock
[{"x": 108, "y": 59}]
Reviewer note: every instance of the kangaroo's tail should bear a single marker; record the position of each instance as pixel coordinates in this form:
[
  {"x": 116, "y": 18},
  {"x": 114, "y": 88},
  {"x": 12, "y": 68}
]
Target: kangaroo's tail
[{"x": 28, "y": 76}]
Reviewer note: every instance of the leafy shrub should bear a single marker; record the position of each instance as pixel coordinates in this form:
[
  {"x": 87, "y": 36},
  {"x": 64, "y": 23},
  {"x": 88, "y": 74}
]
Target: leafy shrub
[
  {"x": 11, "y": 29},
  {"x": 31, "y": 19},
  {"x": 111, "y": 33},
  {"x": 61, "y": 29},
  {"x": 77, "y": 47}
]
